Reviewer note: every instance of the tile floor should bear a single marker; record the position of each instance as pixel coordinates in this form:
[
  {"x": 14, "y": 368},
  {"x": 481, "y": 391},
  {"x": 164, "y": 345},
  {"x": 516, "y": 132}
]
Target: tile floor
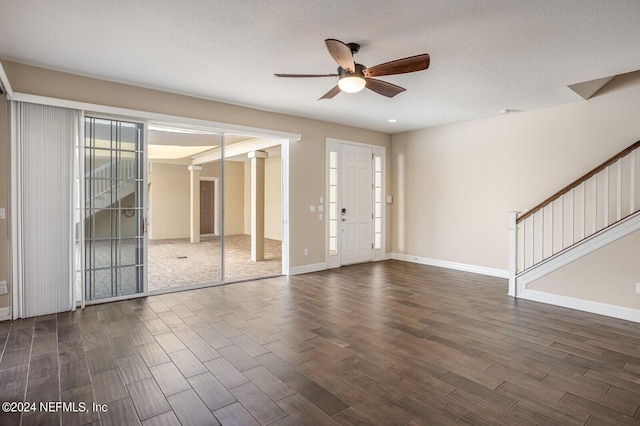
[
  {"x": 389, "y": 343},
  {"x": 177, "y": 263}
]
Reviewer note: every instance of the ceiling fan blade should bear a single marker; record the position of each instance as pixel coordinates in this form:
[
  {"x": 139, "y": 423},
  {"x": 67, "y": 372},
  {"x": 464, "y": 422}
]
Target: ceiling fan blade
[
  {"x": 383, "y": 88},
  {"x": 341, "y": 53},
  {"x": 400, "y": 66},
  {"x": 305, "y": 75},
  {"x": 331, "y": 93}
]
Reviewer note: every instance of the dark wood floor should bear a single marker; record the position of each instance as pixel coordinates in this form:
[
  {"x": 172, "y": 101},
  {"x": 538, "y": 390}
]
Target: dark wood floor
[{"x": 390, "y": 343}]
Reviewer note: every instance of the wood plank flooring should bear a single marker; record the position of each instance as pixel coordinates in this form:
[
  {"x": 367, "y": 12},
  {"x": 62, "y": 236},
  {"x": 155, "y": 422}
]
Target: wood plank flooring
[{"x": 389, "y": 343}]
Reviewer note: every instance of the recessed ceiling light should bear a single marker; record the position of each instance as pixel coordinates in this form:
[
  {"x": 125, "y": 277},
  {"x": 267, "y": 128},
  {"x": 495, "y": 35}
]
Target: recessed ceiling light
[{"x": 393, "y": 120}]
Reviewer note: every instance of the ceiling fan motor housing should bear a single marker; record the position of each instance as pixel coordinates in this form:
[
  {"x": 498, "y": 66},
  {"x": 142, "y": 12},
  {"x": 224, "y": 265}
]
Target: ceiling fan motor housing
[{"x": 358, "y": 73}]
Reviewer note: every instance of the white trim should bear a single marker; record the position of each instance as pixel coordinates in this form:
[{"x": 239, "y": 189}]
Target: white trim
[
  {"x": 621, "y": 312},
  {"x": 146, "y": 115},
  {"x": 5, "y": 83},
  {"x": 476, "y": 269},
  {"x": 5, "y": 313},
  {"x": 16, "y": 218},
  {"x": 305, "y": 269},
  {"x": 588, "y": 245},
  {"x": 285, "y": 193}
]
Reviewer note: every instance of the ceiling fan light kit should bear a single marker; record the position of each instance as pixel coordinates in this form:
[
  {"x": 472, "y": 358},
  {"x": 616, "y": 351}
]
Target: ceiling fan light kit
[
  {"x": 352, "y": 82},
  {"x": 353, "y": 77}
]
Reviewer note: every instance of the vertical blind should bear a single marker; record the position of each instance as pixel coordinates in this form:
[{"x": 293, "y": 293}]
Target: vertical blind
[{"x": 43, "y": 138}]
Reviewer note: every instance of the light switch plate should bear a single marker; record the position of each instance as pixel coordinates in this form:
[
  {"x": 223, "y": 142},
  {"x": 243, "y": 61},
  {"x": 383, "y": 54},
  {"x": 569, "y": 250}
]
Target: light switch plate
[
  {"x": 3, "y": 287},
  {"x": 320, "y": 209},
  {"x": 389, "y": 199},
  {"x": 312, "y": 209},
  {"x": 3, "y": 214}
]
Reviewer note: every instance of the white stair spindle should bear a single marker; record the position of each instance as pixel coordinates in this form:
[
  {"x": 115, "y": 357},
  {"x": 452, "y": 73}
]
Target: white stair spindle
[
  {"x": 632, "y": 187},
  {"x": 583, "y": 209},
  {"x": 619, "y": 191},
  {"x": 606, "y": 197},
  {"x": 594, "y": 203}
]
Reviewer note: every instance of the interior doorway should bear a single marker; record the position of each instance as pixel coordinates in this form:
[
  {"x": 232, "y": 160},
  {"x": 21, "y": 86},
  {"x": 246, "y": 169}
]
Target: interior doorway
[{"x": 208, "y": 204}]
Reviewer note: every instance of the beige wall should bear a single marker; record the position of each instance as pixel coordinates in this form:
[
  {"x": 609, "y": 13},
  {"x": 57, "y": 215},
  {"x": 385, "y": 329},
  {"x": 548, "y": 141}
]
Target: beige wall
[
  {"x": 454, "y": 185},
  {"x": 169, "y": 201},
  {"x": 103, "y": 220},
  {"x": 608, "y": 275},
  {"x": 5, "y": 163},
  {"x": 307, "y": 181}
]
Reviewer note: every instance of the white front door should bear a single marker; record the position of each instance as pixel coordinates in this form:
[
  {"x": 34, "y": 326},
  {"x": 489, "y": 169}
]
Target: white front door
[{"x": 356, "y": 215}]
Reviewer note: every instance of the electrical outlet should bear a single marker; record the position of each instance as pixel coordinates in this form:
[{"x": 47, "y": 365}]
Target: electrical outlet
[
  {"x": 638, "y": 288},
  {"x": 3, "y": 287}
]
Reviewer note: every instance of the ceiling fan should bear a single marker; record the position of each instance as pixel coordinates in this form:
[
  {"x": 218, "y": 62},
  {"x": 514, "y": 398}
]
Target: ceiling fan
[{"x": 353, "y": 77}]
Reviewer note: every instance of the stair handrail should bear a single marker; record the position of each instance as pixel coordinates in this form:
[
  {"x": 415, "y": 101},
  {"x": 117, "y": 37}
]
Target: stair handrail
[
  {"x": 577, "y": 182},
  {"x": 124, "y": 165},
  {"x": 533, "y": 242}
]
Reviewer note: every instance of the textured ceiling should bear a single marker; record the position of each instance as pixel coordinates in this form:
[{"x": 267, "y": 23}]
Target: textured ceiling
[{"x": 485, "y": 55}]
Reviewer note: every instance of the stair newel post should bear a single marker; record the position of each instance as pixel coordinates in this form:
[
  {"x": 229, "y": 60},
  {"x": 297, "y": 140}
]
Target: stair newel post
[{"x": 513, "y": 252}]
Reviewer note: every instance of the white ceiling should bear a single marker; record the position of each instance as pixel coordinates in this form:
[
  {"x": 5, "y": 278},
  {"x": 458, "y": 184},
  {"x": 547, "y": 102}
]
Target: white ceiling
[{"x": 485, "y": 55}]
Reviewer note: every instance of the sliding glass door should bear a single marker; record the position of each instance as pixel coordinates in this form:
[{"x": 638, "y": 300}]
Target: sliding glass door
[{"x": 114, "y": 226}]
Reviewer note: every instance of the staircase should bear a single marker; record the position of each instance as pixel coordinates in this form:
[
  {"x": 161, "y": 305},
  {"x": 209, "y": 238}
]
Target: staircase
[
  {"x": 600, "y": 207},
  {"x": 104, "y": 184}
]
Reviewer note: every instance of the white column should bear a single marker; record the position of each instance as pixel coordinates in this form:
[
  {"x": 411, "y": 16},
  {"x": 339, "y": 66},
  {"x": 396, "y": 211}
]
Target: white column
[
  {"x": 194, "y": 192},
  {"x": 257, "y": 204}
]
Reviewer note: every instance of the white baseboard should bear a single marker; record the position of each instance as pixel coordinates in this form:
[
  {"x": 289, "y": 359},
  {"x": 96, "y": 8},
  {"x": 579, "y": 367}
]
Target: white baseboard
[
  {"x": 614, "y": 311},
  {"x": 482, "y": 270},
  {"x": 305, "y": 269},
  {"x": 5, "y": 313}
]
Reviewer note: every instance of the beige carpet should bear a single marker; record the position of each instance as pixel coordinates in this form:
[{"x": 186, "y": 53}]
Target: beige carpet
[{"x": 179, "y": 263}]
